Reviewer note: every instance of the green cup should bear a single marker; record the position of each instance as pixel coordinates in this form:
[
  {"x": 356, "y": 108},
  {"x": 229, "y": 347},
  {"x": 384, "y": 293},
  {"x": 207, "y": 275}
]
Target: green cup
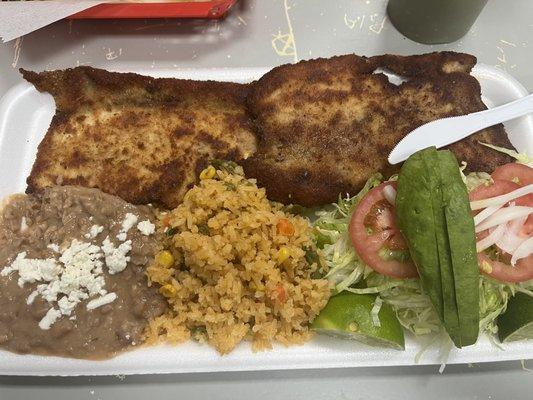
[{"x": 434, "y": 21}]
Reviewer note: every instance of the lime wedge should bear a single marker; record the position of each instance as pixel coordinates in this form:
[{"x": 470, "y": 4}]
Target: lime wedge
[
  {"x": 517, "y": 321},
  {"x": 349, "y": 316}
]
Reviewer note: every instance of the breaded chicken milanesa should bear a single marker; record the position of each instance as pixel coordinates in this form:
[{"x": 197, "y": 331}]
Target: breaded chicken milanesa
[
  {"x": 308, "y": 132},
  {"x": 325, "y": 126},
  {"x": 137, "y": 137}
]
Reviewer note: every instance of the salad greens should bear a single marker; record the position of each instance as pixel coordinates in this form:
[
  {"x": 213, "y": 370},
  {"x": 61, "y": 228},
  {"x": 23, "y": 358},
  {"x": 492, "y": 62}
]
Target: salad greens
[
  {"x": 413, "y": 308},
  {"x": 522, "y": 158},
  {"x": 406, "y": 296},
  {"x": 331, "y": 235}
]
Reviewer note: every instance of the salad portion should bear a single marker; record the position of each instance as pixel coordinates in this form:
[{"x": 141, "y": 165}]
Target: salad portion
[{"x": 450, "y": 255}]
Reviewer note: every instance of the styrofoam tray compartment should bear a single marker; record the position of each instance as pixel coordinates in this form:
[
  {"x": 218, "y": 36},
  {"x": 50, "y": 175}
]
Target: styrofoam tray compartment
[{"x": 25, "y": 115}]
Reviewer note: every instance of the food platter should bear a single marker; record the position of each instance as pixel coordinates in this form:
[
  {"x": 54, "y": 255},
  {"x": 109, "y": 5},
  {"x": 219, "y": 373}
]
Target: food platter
[{"x": 24, "y": 117}]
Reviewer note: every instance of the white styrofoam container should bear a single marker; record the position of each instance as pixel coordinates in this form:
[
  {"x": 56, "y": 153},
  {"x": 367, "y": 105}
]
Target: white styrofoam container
[{"x": 25, "y": 115}]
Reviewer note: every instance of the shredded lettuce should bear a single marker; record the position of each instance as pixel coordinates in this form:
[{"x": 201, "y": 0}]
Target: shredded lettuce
[
  {"x": 345, "y": 268},
  {"x": 493, "y": 297},
  {"x": 462, "y": 170},
  {"x": 412, "y": 306},
  {"x": 475, "y": 179},
  {"x": 522, "y": 158},
  {"x": 349, "y": 272},
  {"x": 374, "y": 313}
]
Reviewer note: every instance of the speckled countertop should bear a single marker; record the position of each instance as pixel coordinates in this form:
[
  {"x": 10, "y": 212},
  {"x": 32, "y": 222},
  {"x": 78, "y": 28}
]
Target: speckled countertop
[{"x": 262, "y": 33}]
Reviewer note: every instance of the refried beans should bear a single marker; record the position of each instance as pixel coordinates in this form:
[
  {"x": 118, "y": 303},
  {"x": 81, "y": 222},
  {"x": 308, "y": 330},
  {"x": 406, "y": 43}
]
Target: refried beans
[{"x": 43, "y": 226}]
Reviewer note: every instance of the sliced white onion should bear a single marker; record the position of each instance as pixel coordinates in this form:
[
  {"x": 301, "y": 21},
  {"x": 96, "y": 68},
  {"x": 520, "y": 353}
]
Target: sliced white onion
[
  {"x": 492, "y": 238},
  {"x": 512, "y": 238},
  {"x": 503, "y": 199},
  {"x": 390, "y": 194},
  {"x": 503, "y": 216},
  {"x": 487, "y": 212},
  {"x": 524, "y": 250}
]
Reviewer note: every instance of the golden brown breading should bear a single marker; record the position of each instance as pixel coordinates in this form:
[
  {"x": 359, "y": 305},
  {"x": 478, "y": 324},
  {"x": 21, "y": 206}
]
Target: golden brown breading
[
  {"x": 137, "y": 137},
  {"x": 325, "y": 126}
]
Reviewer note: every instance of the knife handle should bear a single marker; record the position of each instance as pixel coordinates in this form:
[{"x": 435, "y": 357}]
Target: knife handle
[{"x": 506, "y": 112}]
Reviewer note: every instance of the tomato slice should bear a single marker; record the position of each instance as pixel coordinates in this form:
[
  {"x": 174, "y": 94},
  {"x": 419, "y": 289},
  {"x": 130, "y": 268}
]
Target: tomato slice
[
  {"x": 497, "y": 188},
  {"x": 376, "y": 213},
  {"x": 514, "y": 172},
  {"x": 527, "y": 229},
  {"x": 500, "y": 187},
  {"x": 522, "y": 175},
  {"x": 523, "y": 271}
]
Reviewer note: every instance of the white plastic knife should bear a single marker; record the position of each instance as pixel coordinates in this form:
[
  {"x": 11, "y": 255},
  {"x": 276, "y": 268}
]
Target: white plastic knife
[{"x": 445, "y": 131}]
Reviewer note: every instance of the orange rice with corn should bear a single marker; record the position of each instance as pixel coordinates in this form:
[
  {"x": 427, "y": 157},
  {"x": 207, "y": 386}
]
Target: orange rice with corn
[{"x": 237, "y": 267}]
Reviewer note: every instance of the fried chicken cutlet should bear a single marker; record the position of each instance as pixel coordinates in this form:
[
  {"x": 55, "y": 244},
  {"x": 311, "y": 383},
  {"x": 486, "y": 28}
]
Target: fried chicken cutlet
[
  {"x": 314, "y": 130},
  {"x": 325, "y": 126},
  {"x": 137, "y": 137}
]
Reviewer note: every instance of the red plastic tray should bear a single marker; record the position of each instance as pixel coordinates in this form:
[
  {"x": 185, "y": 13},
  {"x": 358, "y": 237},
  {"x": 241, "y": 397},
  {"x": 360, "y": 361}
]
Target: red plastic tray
[{"x": 204, "y": 9}]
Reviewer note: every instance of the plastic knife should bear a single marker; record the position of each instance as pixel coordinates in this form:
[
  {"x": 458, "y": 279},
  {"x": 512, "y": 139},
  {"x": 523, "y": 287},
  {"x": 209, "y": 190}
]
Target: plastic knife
[{"x": 445, "y": 131}]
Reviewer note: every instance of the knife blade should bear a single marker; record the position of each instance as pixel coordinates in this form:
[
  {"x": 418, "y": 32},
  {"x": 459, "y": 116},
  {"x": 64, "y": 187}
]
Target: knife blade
[{"x": 445, "y": 131}]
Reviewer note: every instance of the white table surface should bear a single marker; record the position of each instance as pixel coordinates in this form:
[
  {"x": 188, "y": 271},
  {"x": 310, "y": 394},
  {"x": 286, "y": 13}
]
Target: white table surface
[{"x": 253, "y": 35}]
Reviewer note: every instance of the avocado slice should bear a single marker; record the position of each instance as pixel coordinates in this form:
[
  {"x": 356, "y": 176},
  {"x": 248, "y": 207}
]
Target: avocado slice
[
  {"x": 450, "y": 316},
  {"x": 462, "y": 240},
  {"x": 417, "y": 223},
  {"x": 433, "y": 212}
]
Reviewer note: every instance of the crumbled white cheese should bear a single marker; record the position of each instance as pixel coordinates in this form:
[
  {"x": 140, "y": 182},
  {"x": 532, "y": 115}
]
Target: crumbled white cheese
[
  {"x": 94, "y": 231},
  {"x": 76, "y": 277},
  {"x": 31, "y": 297},
  {"x": 101, "y": 301},
  {"x": 146, "y": 227},
  {"x": 23, "y": 225},
  {"x": 54, "y": 247},
  {"x": 116, "y": 259},
  {"x": 128, "y": 222},
  {"x": 66, "y": 306},
  {"x": 49, "y": 319},
  {"x": 122, "y": 236},
  {"x": 32, "y": 270},
  {"x": 82, "y": 262}
]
